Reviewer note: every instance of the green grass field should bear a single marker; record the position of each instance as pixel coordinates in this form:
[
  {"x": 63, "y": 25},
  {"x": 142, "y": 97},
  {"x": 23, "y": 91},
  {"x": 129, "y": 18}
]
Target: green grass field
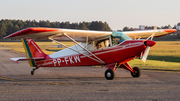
[
  {"x": 47, "y": 47},
  {"x": 165, "y": 55}
]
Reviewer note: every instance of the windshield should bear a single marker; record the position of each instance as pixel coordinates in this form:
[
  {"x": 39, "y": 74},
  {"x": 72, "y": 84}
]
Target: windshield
[{"x": 118, "y": 37}]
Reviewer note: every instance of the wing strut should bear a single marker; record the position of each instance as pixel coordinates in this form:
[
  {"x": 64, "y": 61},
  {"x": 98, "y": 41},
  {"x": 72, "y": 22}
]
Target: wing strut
[
  {"x": 86, "y": 41},
  {"x": 84, "y": 48},
  {"x": 76, "y": 50}
]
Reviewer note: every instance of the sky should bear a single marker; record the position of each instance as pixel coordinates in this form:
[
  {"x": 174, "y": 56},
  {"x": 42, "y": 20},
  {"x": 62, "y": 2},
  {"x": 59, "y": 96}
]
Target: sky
[{"x": 117, "y": 13}]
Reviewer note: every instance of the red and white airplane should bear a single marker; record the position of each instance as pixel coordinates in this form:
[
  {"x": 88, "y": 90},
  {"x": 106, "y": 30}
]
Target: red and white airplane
[{"x": 110, "y": 49}]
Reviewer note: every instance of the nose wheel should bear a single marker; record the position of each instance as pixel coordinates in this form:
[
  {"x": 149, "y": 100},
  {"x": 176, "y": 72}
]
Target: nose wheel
[{"x": 109, "y": 74}]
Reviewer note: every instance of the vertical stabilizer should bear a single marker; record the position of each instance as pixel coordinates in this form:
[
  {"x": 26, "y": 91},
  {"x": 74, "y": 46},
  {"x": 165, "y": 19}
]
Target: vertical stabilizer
[{"x": 32, "y": 50}]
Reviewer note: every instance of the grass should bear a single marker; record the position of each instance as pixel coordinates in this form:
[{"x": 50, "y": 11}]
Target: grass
[
  {"x": 166, "y": 48},
  {"x": 155, "y": 65},
  {"x": 168, "y": 51},
  {"x": 165, "y": 55},
  {"x": 47, "y": 47}
]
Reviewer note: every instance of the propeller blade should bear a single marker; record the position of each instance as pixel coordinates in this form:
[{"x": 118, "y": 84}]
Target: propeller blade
[{"x": 145, "y": 54}]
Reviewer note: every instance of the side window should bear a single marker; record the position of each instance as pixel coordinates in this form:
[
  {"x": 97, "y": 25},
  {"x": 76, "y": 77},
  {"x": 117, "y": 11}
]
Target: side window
[
  {"x": 90, "y": 46},
  {"x": 98, "y": 45},
  {"x": 115, "y": 41},
  {"x": 102, "y": 44}
]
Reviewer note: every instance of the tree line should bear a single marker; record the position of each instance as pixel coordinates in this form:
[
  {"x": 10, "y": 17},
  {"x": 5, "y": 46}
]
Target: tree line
[
  {"x": 150, "y": 27},
  {"x": 8, "y": 26}
]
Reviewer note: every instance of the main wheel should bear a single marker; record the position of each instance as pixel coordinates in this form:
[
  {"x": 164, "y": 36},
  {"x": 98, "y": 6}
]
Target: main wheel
[
  {"x": 137, "y": 72},
  {"x": 109, "y": 74}
]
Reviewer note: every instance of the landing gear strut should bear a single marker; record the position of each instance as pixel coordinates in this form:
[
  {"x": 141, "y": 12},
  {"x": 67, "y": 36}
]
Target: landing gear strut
[
  {"x": 135, "y": 72},
  {"x": 32, "y": 72}
]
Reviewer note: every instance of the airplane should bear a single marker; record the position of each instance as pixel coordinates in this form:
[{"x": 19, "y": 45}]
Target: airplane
[{"x": 104, "y": 48}]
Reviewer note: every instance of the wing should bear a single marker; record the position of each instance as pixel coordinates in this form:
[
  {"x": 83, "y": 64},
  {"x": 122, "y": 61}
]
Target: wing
[
  {"x": 44, "y": 33},
  {"x": 147, "y": 33},
  {"x": 81, "y": 35}
]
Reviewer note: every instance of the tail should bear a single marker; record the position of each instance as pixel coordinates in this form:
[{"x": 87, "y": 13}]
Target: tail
[{"x": 32, "y": 51}]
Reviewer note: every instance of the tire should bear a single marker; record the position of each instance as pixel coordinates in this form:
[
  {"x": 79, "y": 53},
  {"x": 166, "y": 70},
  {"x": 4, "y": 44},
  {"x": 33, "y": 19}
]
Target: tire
[
  {"x": 109, "y": 74},
  {"x": 32, "y": 72},
  {"x": 137, "y": 72}
]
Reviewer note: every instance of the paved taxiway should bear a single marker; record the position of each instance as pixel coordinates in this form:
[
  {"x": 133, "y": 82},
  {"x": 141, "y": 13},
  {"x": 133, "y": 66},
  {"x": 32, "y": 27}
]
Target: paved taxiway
[{"x": 82, "y": 83}]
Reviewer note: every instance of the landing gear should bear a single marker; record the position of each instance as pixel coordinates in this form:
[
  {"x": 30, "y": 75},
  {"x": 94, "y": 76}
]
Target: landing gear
[
  {"x": 137, "y": 72},
  {"x": 32, "y": 72},
  {"x": 109, "y": 74}
]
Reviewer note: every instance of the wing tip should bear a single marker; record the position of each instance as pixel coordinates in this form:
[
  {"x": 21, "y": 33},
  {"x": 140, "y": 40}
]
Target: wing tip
[
  {"x": 170, "y": 30},
  {"x": 31, "y": 30}
]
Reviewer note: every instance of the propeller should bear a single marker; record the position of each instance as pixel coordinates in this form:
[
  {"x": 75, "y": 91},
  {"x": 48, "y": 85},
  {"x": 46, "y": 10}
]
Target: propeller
[
  {"x": 148, "y": 44},
  {"x": 144, "y": 58}
]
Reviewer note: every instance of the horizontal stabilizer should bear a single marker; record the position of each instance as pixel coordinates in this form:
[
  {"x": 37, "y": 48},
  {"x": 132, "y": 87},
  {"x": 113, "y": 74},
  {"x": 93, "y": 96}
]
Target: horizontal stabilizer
[{"x": 25, "y": 58}]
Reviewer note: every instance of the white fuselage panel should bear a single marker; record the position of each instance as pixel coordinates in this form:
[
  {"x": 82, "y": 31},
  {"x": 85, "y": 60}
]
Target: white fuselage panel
[{"x": 67, "y": 51}]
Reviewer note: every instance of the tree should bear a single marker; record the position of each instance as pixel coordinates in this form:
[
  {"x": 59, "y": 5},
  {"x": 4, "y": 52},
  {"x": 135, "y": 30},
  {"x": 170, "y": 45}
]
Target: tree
[
  {"x": 169, "y": 27},
  {"x": 106, "y": 27},
  {"x": 34, "y": 23},
  {"x": 93, "y": 25},
  {"x": 87, "y": 24},
  {"x": 164, "y": 27},
  {"x": 83, "y": 26},
  {"x": 64, "y": 24},
  {"x": 44, "y": 23},
  {"x": 73, "y": 26},
  {"x": 2, "y": 30},
  {"x": 100, "y": 26},
  {"x": 10, "y": 26},
  {"x": 55, "y": 24},
  {"x": 131, "y": 29},
  {"x": 16, "y": 28},
  {"x": 174, "y": 27},
  {"x": 126, "y": 29},
  {"x": 20, "y": 24}
]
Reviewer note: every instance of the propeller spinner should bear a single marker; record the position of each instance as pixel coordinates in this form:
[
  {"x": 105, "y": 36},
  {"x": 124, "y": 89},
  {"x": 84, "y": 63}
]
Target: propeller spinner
[{"x": 148, "y": 44}]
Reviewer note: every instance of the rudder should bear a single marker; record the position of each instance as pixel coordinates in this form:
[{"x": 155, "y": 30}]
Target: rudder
[{"x": 32, "y": 50}]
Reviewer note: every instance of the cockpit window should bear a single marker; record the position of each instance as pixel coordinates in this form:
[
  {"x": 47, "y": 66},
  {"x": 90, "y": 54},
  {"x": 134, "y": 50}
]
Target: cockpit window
[
  {"x": 118, "y": 37},
  {"x": 102, "y": 43}
]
